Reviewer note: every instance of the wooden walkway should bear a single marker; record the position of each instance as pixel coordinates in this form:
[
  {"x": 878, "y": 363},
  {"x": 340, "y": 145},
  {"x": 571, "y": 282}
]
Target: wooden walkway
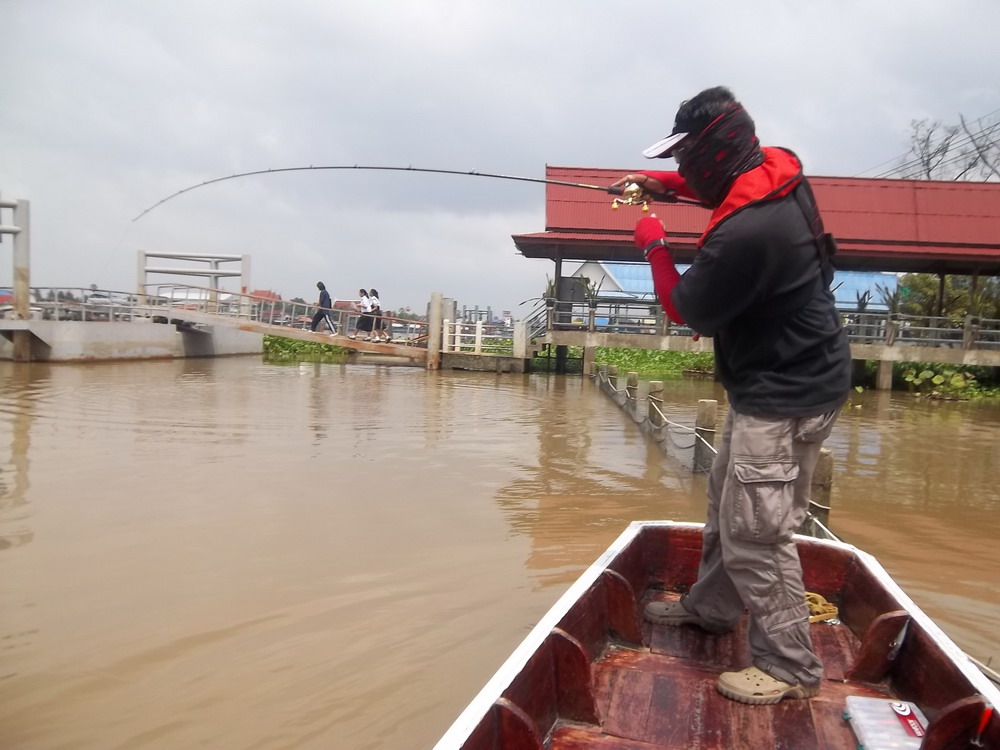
[{"x": 195, "y": 318}]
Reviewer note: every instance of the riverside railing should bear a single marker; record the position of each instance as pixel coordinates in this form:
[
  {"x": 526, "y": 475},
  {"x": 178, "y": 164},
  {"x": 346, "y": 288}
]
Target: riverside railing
[
  {"x": 895, "y": 329},
  {"x": 641, "y": 316}
]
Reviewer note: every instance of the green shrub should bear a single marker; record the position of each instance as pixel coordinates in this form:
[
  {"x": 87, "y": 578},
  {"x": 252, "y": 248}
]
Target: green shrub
[
  {"x": 279, "y": 349},
  {"x": 647, "y": 362}
]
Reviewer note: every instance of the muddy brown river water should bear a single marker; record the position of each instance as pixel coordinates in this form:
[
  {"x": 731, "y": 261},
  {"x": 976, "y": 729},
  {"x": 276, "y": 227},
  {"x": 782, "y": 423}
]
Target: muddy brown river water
[{"x": 231, "y": 554}]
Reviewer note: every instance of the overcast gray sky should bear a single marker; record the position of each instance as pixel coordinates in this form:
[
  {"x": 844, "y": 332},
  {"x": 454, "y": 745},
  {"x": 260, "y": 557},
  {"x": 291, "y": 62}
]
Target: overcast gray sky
[{"x": 108, "y": 106}]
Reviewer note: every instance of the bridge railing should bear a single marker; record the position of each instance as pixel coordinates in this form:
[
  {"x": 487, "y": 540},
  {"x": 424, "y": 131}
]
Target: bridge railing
[
  {"x": 477, "y": 338},
  {"x": 537, "y": 321},
  {"x": 613, "y": 315},
  {"x": 890, "y": 329},
  {"x": 278, "y": 312},
  {"x": 79, "y": 303}
]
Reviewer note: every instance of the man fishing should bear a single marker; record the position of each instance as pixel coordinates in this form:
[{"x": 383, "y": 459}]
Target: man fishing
[{"x": 759, "y": 286}]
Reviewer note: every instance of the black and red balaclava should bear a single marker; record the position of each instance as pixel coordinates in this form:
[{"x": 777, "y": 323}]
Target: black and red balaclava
[{"x": 723, "y": 144}]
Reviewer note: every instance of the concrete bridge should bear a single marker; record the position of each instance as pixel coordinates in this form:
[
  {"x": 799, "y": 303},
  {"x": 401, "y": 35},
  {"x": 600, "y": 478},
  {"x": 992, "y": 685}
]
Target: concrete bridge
[{"x": 190, "y": 321}]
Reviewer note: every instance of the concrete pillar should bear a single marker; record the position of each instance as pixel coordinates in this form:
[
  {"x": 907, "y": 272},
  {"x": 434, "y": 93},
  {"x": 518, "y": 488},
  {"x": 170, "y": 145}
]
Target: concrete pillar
[
  {"x": 704, "y": 430},
  {"x": 140, "y": 278},
  {"x": 891, "y": 331},
  {"x": 22, "y": 260},
  {"x": 521, "y": 340},
  {"x": 244, "y": 285},
  {"x": 970, "y": 331},
  {"x": 883, "y": 379},
  {"x": 434, "y": 322},
  {"x": 589, "y": 354},
  {"x": 22, "y": 280}
]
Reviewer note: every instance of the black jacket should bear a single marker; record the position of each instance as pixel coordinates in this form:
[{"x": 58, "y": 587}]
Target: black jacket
[{"x": 758, "y": 287}]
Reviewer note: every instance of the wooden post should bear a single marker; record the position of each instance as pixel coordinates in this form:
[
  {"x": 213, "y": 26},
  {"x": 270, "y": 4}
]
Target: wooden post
[
  {"x": 654, "y": 403},
  {"x": 589, "y": 353},
  {"x": 821, "y": 488},
  {"x": 632, "y": 385},
  {"x": 613, "y": 376},
  {"x": 704, "y": 430}
]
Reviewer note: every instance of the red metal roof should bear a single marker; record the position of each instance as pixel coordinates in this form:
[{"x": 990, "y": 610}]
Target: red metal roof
[
  {"x": 889, "y": 225},
  {"x": 266, "y": 294}
]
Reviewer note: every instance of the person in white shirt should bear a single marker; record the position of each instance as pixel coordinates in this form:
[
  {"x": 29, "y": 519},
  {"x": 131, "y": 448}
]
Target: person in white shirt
[
  {"x": 379, "y": 329},
  {"x": 364, "y": 322}
]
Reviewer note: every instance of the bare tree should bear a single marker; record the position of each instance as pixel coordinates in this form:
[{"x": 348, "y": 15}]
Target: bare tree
[
  {"x": 937, "y": 152},
  {"x": 984, "y": 138},
  {"x": 969, "y": 151}
]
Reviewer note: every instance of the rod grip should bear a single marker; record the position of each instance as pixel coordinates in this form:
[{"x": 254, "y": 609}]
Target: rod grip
[{"x": 616, "y": 190}]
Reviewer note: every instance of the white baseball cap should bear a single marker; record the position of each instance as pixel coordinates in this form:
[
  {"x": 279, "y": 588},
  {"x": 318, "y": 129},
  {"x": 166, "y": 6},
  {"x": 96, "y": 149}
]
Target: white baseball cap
[{"x": 664, "y": 147}]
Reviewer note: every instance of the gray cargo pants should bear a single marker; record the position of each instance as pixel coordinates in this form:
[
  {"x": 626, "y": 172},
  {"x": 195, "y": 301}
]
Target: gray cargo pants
[{"x": 758, "y": 494}]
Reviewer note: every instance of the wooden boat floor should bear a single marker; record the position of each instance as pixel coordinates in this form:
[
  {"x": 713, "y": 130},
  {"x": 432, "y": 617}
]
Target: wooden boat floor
[{"x": 664, "y": 697}]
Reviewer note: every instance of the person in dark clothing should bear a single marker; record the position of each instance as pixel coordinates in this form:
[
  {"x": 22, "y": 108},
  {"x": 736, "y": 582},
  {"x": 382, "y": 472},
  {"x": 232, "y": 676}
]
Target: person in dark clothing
[
  {"x": 323, "y": 310},
  {"x": 759, "y": 285}
]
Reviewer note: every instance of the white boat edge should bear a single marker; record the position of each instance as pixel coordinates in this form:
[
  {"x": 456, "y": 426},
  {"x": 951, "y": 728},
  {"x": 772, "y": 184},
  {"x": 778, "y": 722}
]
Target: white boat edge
[{"x": 467, "y": 721}]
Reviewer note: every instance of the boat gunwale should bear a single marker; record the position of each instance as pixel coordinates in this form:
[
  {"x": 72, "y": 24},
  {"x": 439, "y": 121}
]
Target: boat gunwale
[{"x": 474, "y": 713}]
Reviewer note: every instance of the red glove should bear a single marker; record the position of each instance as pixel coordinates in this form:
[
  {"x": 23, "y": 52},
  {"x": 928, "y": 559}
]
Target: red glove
[{"x": 649, "y": 229}]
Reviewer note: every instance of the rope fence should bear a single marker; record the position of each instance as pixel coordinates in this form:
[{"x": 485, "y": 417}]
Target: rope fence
[{"x": 649, "y": 414}]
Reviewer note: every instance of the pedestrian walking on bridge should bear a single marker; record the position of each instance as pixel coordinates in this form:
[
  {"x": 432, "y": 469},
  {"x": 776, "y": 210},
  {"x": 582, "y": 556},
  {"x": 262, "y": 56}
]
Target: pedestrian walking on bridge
[{"x": 323, "y": 310}]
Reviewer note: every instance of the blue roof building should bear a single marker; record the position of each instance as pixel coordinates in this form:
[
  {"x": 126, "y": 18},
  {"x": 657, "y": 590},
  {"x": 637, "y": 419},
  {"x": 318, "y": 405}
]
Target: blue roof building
[{"x": 619, "y": 280}]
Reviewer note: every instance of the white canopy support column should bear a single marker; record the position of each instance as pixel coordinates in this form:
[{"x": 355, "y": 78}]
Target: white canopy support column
[{"x": 20, "y": 230}]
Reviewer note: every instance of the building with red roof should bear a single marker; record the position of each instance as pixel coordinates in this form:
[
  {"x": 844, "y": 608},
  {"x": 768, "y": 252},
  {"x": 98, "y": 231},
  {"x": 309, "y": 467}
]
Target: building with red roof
[{"x": 913, "y": 226}]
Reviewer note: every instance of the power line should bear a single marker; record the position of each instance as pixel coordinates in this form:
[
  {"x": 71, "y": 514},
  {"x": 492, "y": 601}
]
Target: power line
[{"x": 917, "y": 161}]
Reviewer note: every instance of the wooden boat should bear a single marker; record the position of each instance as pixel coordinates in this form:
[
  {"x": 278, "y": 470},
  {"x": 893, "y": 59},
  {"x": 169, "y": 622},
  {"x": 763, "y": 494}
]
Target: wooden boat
[{"x": 593, "y": 674}]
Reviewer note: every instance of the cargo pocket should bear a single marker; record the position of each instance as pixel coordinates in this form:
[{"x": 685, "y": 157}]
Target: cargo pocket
[{"x": 763, "y": 494}]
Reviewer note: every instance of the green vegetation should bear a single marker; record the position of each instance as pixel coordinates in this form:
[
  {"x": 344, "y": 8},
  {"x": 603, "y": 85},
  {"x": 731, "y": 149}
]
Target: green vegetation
[
  {"x": 646, "y": 362},
  {"x": 947, "y": 381},
  {"x": 921, "y": 294},
  {"x": 278, "y": 349},
  {"x": 932, "y": 380}
]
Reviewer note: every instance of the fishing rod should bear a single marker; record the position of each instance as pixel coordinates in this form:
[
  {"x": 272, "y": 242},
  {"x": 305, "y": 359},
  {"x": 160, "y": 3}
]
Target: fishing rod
[{"x": 631, "y": 193}]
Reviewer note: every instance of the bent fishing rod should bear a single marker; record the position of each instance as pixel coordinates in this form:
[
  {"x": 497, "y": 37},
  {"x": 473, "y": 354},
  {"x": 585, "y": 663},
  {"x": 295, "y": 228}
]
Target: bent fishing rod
[{"x": 632, "y": 194}]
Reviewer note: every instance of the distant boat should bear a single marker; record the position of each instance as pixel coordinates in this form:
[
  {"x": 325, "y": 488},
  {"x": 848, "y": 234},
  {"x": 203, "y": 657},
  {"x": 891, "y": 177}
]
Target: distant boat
[{"x": 594, "y": 675}]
